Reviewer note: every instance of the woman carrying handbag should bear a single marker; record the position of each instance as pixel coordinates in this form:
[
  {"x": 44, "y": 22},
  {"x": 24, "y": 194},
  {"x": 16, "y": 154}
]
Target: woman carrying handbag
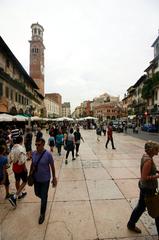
[{"x": 148, "y": 185}]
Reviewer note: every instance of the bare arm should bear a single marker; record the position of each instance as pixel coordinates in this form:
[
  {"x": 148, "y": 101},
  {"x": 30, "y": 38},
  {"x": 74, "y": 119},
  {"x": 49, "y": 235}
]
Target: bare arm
[
  {"x": 4, "y": 174},
  {"x": 82, "y": 138},
  {"x": 74, "y": 140},
  {"x": 54, "y": 180},
  {"x": 145, "y": 174}
]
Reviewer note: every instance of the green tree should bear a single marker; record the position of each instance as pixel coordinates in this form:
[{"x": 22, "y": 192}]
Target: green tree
[
  {"x": 147, "y": 89},
  {"x": 149, "y": 86}
]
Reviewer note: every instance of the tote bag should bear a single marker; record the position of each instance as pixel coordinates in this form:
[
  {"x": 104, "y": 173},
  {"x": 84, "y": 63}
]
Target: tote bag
[{"x": 152, "y": 204}]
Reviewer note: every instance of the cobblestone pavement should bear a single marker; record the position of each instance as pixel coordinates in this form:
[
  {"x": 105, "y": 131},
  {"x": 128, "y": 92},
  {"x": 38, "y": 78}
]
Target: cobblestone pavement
[{"x": 93, "y": 199}]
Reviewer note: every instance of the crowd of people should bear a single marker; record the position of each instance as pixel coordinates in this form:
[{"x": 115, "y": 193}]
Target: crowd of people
[{"x": 16, "y": 150}]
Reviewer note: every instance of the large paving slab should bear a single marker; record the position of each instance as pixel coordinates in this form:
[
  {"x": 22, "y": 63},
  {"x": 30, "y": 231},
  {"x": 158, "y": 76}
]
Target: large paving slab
[
  {"x": 22, "y": 223},
  {"x": 70, "y": 174},
  {"x": 96, "y": 173},
  {"x": 120, "y": 173},
  {"x": 71, "y": 220},
  {"x": 103, "y": 189},
  {"x": 111, "y": 218},
  {"x": 71, "y": 190},
  {"x": 128, "y": 188}
]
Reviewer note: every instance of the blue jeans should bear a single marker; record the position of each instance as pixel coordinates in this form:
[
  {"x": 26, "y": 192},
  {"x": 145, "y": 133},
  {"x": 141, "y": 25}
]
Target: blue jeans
[
  {"x": 140, "y": 208},
  {"x": 41, "y": 191}
]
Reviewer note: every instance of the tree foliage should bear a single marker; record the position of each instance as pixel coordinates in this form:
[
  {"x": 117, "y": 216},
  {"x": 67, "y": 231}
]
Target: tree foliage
[{"x": 149, "y": 86}]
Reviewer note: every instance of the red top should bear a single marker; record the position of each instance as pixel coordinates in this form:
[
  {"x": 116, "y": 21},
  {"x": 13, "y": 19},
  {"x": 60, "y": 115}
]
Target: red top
[
  {"x": 18, "y": 168},
  {"x": 109, "y": 132}
]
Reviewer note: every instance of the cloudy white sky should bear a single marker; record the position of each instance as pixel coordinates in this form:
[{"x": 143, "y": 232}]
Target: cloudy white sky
[{"x": 92, "y": 46}]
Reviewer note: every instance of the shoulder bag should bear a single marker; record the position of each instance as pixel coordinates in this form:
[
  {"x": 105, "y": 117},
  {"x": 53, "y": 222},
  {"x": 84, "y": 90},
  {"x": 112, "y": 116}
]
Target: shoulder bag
[
  {"x": 152, "y": 204},
  {"x": 33, "y": 169}
]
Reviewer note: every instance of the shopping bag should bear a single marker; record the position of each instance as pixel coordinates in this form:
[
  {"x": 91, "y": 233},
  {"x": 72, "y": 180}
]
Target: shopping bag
[
  {"x": 152, "y": 204},
  {"x": 31, "y": 179}
]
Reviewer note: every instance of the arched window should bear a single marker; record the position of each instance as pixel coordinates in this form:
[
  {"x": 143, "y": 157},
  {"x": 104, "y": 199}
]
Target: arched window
[
  {"x": 13, "y": 111},
  {"x": 35, "y": 31},
  {"x": 21, "y": 111},
  {"x": 35, "y": 50}
]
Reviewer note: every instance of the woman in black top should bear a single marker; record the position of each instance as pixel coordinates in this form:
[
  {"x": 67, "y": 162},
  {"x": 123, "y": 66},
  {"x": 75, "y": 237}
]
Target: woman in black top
[
  {"x": 78, "y": 138},
  {"x": 148, "y": 184}
]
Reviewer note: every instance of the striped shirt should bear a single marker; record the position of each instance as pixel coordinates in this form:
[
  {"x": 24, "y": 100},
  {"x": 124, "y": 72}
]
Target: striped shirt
[{"x": 15, "y": 133}]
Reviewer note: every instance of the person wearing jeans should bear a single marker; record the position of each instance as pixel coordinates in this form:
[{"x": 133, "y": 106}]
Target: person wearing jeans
[
  {"x": 44, "y": 168},
  {"x": 78, "y": 138},
  {"x": 70, "y": 143},
  {"x": 59, "y": 141},
  {"x": 110, "y": 136},
  {"x": 147, "y": 184},
  {"x": 139, "y": 210},
  {"x": 41, "y": 191}
]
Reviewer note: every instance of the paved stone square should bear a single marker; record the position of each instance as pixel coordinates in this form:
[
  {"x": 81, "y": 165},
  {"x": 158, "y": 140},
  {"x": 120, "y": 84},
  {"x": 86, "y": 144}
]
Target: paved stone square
[{"x": 93, "y": 199}]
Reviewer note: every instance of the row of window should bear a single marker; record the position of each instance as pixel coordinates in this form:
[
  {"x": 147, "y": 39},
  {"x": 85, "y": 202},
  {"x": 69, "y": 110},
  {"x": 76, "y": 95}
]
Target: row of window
[
  {"x": 14, "y": 96},
  {"x": 108, "y": 111},
  {"x": 35, "y": 50},
  {"x": 37, "y": 31},
  {"x": 12, "y": 71}
]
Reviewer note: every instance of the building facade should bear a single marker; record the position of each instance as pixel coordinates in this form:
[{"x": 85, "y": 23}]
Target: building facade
[
  {"x": 142, "y": 99},
  {"x": 152, "y": 86},
  {"x": 77, "y": 112},
  {"x": 108, "y": 111},
  {"x": 104, "y": 107},
  {"x": 18, "y": 91},
  {"x": 52, "y": 108},
  {"x": 134, "y": 105},
  {"x": 56, "y": 98},
  {"x": 66, "y": 109}
]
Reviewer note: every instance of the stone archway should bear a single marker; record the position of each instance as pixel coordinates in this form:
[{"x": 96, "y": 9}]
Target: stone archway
[
  {"x": 13, "y": 111},
  {"x": 21, "y": 111}
]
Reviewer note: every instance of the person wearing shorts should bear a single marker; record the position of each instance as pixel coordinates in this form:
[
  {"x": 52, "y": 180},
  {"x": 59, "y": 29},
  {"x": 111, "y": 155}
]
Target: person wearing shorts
[{"x": 18, "y": 157}]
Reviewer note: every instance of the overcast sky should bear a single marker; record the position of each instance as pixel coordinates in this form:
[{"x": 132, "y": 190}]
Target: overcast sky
[{"x": 92, "y": 46}]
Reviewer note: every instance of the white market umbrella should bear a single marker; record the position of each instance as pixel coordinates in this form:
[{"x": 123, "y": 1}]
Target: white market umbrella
[
  {"x": 80, "y": 119},
  {"x": 20, "y": 118},
  {"x": 64, "y": 119},
  {"x": 6, "y": 117},
  {"x": 90, "y": 118},
  {"x": 36, "y": 118},
  {"x": 68, "y": 119},
  {"x": 45, "y": 119}
]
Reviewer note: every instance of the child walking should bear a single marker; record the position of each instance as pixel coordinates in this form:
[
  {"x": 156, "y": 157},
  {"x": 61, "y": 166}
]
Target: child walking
[{"x": 51, "y": 142}]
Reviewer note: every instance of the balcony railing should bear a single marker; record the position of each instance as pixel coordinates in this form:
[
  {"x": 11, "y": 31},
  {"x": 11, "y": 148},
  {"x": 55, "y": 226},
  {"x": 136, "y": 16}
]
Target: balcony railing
[{"x": 19, "y": 86}]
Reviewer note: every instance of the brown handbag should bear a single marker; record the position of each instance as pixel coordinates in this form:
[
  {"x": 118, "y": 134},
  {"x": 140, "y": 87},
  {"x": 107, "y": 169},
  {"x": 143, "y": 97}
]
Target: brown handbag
[{"x": 152, "y": 204}]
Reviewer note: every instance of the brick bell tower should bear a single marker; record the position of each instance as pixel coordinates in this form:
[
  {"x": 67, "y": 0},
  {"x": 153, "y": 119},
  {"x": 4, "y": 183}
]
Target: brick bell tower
[{"x": 37, "y": 56}]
